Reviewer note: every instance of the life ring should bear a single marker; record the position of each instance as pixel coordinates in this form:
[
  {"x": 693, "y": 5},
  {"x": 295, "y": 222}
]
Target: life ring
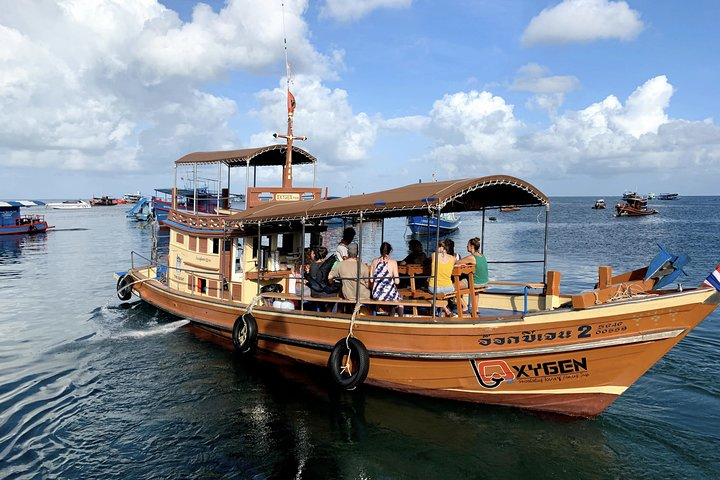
[
  {"x": 124, "y": 290},
  {"x": 244, "y": 333},
  {"x": 359, "y": 363}
]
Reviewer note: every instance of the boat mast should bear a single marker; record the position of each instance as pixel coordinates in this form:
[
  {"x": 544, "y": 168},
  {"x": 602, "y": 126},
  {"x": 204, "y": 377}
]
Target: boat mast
[{"x": 287, "y": 169}]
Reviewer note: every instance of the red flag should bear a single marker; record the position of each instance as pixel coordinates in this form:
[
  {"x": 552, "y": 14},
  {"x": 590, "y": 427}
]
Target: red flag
[{"x": 291, "y": 102}]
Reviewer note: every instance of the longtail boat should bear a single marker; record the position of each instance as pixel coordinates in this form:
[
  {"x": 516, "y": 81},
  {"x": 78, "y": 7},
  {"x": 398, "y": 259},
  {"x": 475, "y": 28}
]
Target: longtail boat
[{"x": 524, "y": 343}]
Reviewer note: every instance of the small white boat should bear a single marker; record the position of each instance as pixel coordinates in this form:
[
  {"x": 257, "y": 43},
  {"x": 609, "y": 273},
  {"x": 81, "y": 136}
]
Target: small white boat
[
  {"x": 132, "y": 197},
  {"x": 69, "y": 205}
]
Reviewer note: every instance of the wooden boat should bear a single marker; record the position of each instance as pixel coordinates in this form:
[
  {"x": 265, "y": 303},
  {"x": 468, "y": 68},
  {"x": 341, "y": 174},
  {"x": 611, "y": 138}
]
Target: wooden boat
[
  {"x": 536, "y": 347},
  {"x": 428, "y": 224},
  {"x": 634, "y": 207},
  {"x": 12, "y": 222},
  {"x": 69, "y": 205},
  {"x": 132, "y": 197},
  {"x": 668, "y": 196},
  {"x": 599, "y": 204}
]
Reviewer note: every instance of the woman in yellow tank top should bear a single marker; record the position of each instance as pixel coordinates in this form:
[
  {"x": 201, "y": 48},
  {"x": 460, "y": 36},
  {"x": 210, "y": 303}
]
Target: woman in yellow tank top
[{"x": 445, "y": 264}]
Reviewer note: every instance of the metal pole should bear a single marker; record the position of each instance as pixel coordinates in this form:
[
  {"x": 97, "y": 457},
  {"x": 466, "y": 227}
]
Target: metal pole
[
  {"x": 382, "y": 230},
  {"x": 247, "y": 182},
  {"x": 257, "y": 253},
  {"x": 195, "y": 188},
  {"x": 482, "y": 234},
  {"x": 437, "y": 260},
  {"x": 302, "y": 267},
  {"x": 359, "y": 260},
  {"x": 314, "y": 174},
  {"x": 545, "y": 246},
  {"x": 219, "y": 184}
]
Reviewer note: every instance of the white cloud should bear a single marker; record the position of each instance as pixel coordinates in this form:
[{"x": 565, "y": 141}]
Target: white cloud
[
  {"x": 550, "y": 90},
  {"x": 352, "y": 10},
  {"x": 325, "y": 116},
  {"x": 116, "y": 85},
  {"x": 476, "y": 133},
  {"x": 579, "y": 21}
]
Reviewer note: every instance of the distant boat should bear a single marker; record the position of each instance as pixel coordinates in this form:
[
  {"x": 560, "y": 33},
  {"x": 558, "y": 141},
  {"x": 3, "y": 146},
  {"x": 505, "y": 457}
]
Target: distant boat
[
  {"x": 132, "y": 197},
  {"x": 633, "y": 207},
  {"x": 103, "y": 201},
  {"x": 629, "y": 194},
  {"x": 599, "y": 204},
  {"x": 668, "y": 196},
  {"x": 424, "y": 225},
  {"x": 12, "y": 222},
  {"x": 69, "y": 205},
  {"x": 650, "y": 196}
]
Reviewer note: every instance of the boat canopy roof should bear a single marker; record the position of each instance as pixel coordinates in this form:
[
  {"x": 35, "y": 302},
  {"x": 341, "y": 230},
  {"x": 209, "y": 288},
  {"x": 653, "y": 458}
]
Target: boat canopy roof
[
  {"x": 22, "y": 203},
  {"x": 416, "y": 199},
  {"x": 272, "y": 155}
]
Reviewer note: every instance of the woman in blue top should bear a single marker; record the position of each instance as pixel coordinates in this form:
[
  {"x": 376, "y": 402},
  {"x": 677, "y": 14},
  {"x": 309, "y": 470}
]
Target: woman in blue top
[{"x": 480, "y": 277}]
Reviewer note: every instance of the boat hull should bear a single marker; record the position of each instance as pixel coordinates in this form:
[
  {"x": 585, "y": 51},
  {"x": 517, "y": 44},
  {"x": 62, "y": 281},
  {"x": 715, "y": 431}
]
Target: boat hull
[
  {"x": 423, "y": 225},
  {"x": 37, "y": 227},
  {"x": 628, "y": 211},
  {"x": 572, "y": 362}
]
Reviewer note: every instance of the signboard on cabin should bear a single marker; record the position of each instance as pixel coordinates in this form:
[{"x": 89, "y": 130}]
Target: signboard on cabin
[{"x": 262, "y": 195}]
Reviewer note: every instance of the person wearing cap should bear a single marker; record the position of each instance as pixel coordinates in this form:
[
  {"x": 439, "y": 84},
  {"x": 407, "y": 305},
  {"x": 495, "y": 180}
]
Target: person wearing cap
[{"x": 347, "y": 272}]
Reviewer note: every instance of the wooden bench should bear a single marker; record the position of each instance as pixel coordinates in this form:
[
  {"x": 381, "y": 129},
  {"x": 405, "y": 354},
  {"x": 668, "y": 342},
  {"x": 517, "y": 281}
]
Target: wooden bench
[
  {"x": 460, "y": 290},
  {"x": 414, "y": 303}
]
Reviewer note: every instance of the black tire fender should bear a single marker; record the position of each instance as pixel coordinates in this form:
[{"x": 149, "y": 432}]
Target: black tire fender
[
  {"x": 244, "y": 333},
  {"x": 124, "y": 288},
  {"x": 359, "y": 362}
]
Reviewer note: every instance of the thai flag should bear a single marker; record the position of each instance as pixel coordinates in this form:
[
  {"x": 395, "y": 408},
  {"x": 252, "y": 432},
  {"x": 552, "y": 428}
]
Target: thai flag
[{"x": 713, "y": 280}]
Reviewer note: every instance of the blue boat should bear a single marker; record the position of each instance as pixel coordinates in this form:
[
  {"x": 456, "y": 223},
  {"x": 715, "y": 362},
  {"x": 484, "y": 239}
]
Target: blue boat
[
  {"x": 12, "y": 222},
  {"x": 424, "y": 225}
]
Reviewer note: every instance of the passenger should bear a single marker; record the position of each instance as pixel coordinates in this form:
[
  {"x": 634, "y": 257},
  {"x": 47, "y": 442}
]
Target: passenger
[
  {"x": 341, "y": 252},
  {"x": 347, "y": 272},
  {"x": 299, "y": 276},
  {"x": 480, "y": 277},
  {"x": 386, "y": 278},
  {"x": 317, "y": 276},
  {"x": 445, "y": 264},
  {"x": 450, "y": 244},
  {"x": 416, "y": 256}
]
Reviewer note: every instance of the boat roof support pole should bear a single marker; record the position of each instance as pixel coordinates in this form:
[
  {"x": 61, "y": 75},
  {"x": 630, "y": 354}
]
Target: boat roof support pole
[
  {"x": 219, "y": 187},
  {"x": 482, "y": 234},
  {"x": 255, "y": 176},
  {"x": 382, "y": 231},
  {"x": 173, "y": 198},
  {"x": 359, "y": 260},
  {"x": 315, "y": 174},
  {"x": 302, "y": 267},
  {"x": 545, "y": 246},
  {"x": 228, "y": 189},
  {"x": 247, "y": 181},
  {"x": 437, "y": 258},
  {"x": 195, "y": 188},
  {"x": 257, "y": 254},
  {"x": 427, "y": 231}
]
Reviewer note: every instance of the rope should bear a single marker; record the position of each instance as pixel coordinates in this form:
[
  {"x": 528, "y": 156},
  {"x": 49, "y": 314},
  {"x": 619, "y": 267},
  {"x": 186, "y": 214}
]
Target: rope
[
  {"x": 255, "y": 301},
  {"x": 346, "y": 367},
  {"x": 625, "y": 293}
]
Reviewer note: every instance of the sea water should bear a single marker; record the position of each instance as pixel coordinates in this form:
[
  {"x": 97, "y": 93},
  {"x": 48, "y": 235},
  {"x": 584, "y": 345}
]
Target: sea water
[{"x": 91, "y": 387}]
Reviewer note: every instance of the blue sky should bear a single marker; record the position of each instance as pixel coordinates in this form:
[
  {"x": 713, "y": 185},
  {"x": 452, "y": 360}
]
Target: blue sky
[{"x": 579, "y": 97}]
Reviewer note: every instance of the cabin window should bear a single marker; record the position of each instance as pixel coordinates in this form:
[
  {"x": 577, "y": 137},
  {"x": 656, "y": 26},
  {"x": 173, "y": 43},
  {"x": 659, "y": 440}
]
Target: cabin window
[
  {"x": 203, "y": 245},
  {"x": 179, "y": 238},
  {"x": 201, "y": 285},
  {"x": 286, "y": 243},
  {"x": 239, "y": 256},
  {"x": 227, "y": 246},
  {"x": 216, "y": 245},
  {"x": 193, "y": 243},
  {"x": 264, "y": 241}
]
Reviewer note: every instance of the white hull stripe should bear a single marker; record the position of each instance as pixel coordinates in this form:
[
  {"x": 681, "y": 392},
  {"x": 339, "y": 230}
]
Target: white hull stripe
[
  {"x": 612, "y": 342},
  {"x": 608, "y": 389}
]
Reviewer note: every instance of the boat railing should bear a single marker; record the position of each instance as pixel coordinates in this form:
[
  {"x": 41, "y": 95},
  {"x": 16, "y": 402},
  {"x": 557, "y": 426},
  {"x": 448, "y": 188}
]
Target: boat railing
[
  {"x": 162, "y": 269},
  {"x": 197, "y": 220}
]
